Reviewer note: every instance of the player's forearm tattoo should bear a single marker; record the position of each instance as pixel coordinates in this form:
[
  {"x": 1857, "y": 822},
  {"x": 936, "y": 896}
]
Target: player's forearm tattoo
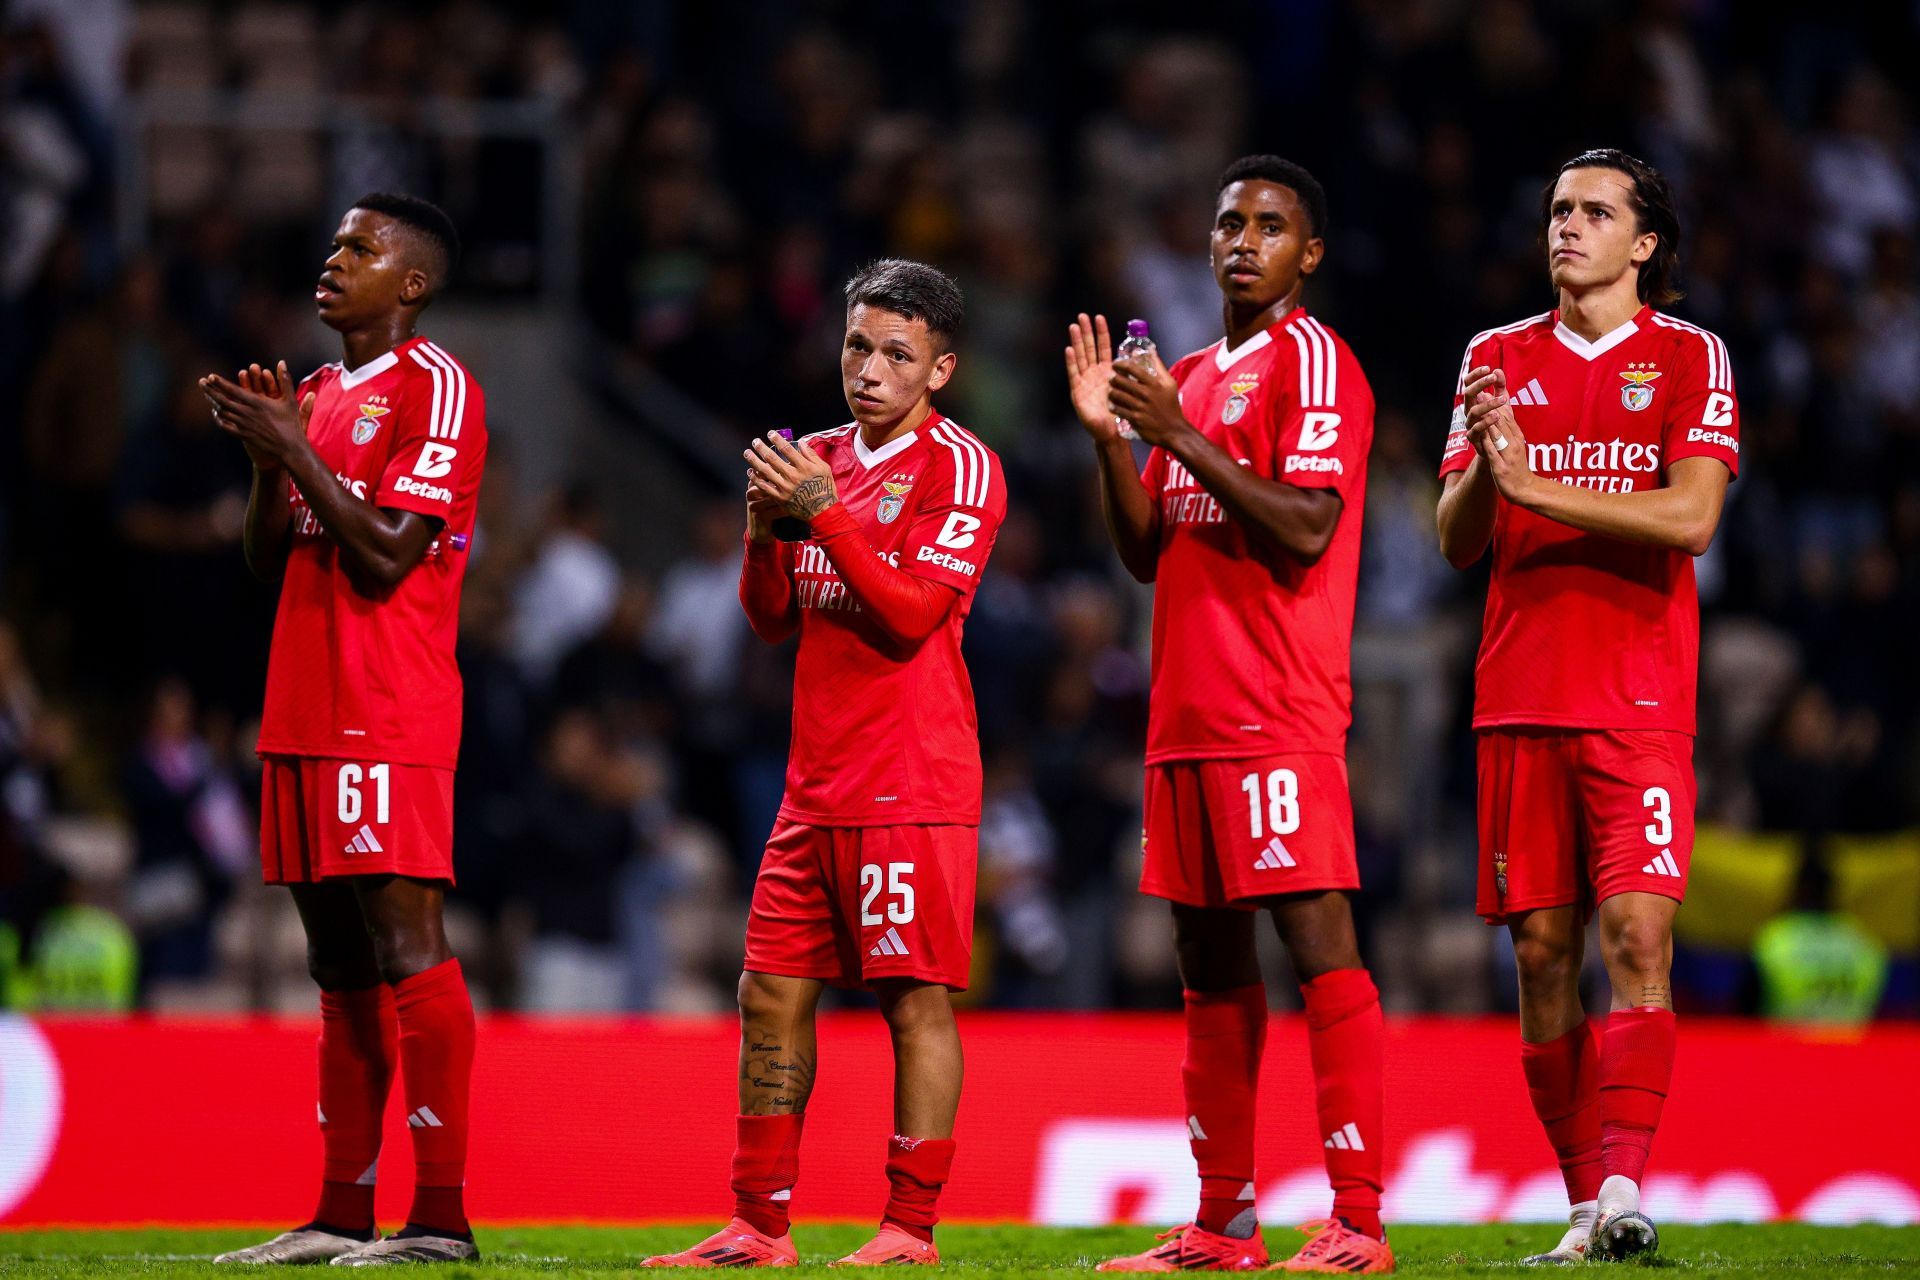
[
  {"x": 774, "y": 1079},
  {"x": 814, "y": 495}
]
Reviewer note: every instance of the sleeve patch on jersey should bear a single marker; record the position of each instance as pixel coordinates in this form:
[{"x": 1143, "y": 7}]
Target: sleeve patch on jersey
[
  {"x": 435, "y": 460},
  {"x": 958, "y": 531},
  {"x": 1319, "y": 430}
]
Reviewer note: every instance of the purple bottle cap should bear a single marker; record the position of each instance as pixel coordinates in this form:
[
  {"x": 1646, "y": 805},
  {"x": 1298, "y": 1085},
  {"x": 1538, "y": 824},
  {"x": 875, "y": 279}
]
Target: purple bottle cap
[
  {"x": 785, "y": 433},
  {"x": 1136, "y": 328}
]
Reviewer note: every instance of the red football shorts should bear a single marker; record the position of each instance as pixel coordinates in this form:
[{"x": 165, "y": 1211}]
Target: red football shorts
[
  {"x": 850, "y": 905},
  {"x": 1220, "y": 833},
  {"x": 325, "y": 818},
  {"x": 1572, "y": 816}
]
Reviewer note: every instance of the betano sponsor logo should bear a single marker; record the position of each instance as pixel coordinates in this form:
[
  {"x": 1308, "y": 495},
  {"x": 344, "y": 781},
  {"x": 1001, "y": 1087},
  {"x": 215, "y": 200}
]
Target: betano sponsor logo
[
  {"x": 421, "y": 489},
  {"x": 1701, "y": 435},
  {"x": 945, "y": 560},
  {"x": 1328, "y": 465}
]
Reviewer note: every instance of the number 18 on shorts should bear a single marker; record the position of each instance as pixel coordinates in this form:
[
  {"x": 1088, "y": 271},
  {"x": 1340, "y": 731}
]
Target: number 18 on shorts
[{"x": 1226, "y": 832}]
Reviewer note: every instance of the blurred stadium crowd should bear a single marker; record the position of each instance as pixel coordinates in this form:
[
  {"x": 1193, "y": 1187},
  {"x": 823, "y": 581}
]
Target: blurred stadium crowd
[{"x": 625, "y": 737}]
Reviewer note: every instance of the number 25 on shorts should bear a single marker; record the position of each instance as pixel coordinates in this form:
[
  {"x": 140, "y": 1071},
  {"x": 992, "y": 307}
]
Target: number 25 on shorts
[{"x": 899, "y": 891}]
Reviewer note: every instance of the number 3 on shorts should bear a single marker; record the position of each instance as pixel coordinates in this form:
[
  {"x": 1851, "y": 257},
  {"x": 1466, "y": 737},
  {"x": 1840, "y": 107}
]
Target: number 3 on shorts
[
  {"x": 1283, "y": 802},
  {"x": 351, "y": 776},
  {"x": 900, "y": 908},
  {"x": 1660, "y": 806}
]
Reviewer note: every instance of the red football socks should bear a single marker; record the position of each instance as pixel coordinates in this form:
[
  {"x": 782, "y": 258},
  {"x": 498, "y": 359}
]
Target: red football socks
[
  {"x": 359, "y": 1043},
  {"x": 766, "y": 1164},
  {"x": 436, "y": 1069},
  {"x": 1563, "y": 1078},
  {"x": 1226, "y": 1034},
  {"x": 916, "y": 1170},
  {"x": 1345, "y": 1039},
  {"x": 1636, "y": 1063}
]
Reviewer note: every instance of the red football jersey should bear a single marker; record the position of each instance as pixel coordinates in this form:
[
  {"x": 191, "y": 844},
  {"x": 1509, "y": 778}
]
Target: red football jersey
[
  {"x": 884, "y": 736},
  {"x": 360, "y": 677},
  {"x": 1584, "y": 631},
  {"x": 1252, "y": 649}
]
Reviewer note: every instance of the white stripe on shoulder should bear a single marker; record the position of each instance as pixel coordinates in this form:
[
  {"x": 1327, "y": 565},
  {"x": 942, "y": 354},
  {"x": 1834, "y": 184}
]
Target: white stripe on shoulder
[
  {"x": 1719, "y": 367},
  {"x": 434, "y": 414},
  {"x": 830, "y": 432},
  {"x": 983, "y": 460},
  {"x": 962, "y": 465},
  {"x": 979, "y": 446},
  {"x": 1319, "y": 366},
  {"x": 1306, "y": 365},
  {"x": 458, "y": 372},
  {"x": 1333, "y": 359},
  {"x": 1331, "y": 354},
  {"x": 456, "y": 402}
]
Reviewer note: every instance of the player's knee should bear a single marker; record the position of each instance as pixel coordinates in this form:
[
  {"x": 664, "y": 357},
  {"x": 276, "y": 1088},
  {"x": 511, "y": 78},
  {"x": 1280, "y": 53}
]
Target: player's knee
[
  {"x": 764, "y": 999},
  {"x": 1545, "y": 964},
  {"x": 401, "y": 953},
  {"x": 1637, "y": 947},
  {"x": 1214, "y": 949},
  {"x": 331, "y": 970},
  {"x": 917, "y": 1010}
]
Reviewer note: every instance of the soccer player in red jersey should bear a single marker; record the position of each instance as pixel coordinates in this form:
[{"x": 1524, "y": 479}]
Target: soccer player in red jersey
[
  {"x": 1591, "y": 448},
  {"x": 868, "y": 877},
  {"x": 365, "y": 479},
  {"x": 1247, "y": 521}
]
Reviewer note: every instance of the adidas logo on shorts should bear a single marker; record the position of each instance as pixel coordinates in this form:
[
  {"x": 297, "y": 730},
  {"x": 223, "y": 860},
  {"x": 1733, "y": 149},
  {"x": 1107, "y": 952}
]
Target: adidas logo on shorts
[
  {"x": 1662, "y": 865},
  {"x": 889, "y": 945},
  {"x": 364, "y": 841},
  {"x": 1274, "y": 857}
]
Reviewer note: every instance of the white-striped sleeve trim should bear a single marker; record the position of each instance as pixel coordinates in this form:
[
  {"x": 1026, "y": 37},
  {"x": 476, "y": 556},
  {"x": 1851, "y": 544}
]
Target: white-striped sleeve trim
[
  {"x": 1466, "y": 359},
  {"x": 450, "y": 399},
  {"x": 458, "y": 413},
  {"x": 1319, "y": 364},
  {"x": 972, "y": 465},
  {"x": 1329, "y": 361},
  {"x": 439, "y": 391},
  {"x": 1719, "y": 368}
]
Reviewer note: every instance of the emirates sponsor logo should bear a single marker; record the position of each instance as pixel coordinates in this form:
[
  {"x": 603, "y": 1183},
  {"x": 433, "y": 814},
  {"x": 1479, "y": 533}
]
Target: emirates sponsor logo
[{"x": 1610, "y": 466}]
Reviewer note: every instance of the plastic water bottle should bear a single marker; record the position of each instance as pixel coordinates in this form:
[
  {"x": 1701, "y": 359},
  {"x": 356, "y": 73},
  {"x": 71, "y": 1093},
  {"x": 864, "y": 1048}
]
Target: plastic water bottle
[
  {"x": 1135, "y": 348},
  {"x": 790, "y": 528}
]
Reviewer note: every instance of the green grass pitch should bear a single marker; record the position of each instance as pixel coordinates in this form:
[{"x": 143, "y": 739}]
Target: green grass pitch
[{"x": 1771, "y": 1250}]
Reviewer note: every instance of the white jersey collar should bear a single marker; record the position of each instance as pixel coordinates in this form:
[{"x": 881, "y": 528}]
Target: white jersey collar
[
  {"x": 1224, "y": 359},
  {"x": 1600, "y": 345},
  {"x": 351, "y": 378},
  {"x": 871, "y": 458}
]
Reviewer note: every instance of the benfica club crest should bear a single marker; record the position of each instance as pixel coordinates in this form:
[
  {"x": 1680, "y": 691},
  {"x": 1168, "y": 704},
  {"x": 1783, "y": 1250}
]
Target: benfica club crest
[
  {"x": 368, "y": 422},
  {"x": 1236, "y": 406},
  {"x": 1638, "y": 393},
  {"x": 1500, "y": 871},
  {"x": 896, "y": 498}
]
